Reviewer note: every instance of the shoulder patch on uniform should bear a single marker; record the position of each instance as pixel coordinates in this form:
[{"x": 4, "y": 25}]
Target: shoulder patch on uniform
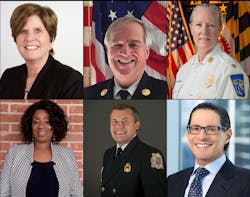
[
  {"x": 156, "y": 161},
  {"x": 238, "y": 84}
]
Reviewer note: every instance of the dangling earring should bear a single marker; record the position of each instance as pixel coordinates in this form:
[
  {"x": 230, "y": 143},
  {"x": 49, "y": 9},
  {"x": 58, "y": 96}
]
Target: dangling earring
[{"x": 53, "y": 139}]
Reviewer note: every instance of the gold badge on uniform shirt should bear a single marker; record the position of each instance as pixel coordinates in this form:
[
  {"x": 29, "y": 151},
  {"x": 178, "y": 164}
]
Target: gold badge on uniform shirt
[
  {"x": 146, "y": 92},
  {"x": 210, "y": 81},
  {"x": 211, "y": 59},
  {"x": 127, "y": 167},
  {"x": 156, "y": 161},
  {"x": 104, "y": 92},
  {"x": 233, "y": 65}
]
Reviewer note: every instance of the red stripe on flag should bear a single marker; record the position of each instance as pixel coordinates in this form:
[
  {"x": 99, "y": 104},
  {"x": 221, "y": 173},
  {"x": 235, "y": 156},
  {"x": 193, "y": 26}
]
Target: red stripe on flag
[
  {"x": 182, "y": 54},
  {"x": 174, "y": 67},
  {"x": 86, "y": 58},
  {"x": 99, "y": 75},
  {"x": 87, "y": 18},
  {"x": 157, "y": 62},
  {"x": 154, "y": 14},
  {"x": 190, "y": 47}
]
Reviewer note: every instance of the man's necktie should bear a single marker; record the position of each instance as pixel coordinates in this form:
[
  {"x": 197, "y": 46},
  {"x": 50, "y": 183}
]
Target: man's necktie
[
  {"x": 123, "y": 94},
  {"x": 196, "y": 186},
  {"x": 118, "y": 152}
]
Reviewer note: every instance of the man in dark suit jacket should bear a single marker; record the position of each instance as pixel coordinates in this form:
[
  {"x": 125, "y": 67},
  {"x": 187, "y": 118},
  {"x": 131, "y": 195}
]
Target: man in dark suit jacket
[
  {"x": 128, "y": 46},
  {"x": 139, "y": 170},
  {"x": 208, "y": 134}
]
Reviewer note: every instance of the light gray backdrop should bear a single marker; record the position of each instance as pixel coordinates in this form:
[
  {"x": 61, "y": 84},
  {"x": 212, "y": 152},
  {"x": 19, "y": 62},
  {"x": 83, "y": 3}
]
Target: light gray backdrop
[{"x": 68, "y": 45}]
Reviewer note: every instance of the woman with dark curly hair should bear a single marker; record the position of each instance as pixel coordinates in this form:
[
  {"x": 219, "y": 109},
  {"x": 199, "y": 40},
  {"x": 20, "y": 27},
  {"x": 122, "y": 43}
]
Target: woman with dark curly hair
[{"x": 40, "y": 163}]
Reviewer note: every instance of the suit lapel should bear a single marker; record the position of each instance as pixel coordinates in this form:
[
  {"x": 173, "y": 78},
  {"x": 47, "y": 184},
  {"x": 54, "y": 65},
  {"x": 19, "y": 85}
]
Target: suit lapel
[
  {"x": 19, "y": 82},
  {"x": 42, "y": 81},
  {"x": 222, "y": 181},
  {"x": 109, "y": 88},
  {"x": 181, "y": 186}
]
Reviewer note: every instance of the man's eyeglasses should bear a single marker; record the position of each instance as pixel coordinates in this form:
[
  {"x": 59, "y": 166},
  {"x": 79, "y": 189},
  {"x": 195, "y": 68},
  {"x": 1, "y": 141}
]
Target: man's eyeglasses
[{"x": 209, "y": 130}]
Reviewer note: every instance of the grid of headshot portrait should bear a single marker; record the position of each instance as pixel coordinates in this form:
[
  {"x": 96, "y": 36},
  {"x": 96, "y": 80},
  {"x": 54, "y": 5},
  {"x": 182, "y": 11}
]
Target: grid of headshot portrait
[{"x": 125, "y": 98}]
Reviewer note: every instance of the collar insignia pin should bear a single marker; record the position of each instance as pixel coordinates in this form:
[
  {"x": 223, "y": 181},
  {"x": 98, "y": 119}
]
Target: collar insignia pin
[
  {"x": 146, "y": 92},
  {"x": 211, "y": 59},
  {"x": 233, "y": 65},
  {"x": 104, "y": 92}
]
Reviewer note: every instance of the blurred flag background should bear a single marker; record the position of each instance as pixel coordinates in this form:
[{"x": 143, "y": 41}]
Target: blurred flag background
[
  {"x": 172, "y": 44},
  {"x": 97, "y": 17},
  {"x": 179, "y": 43},
  {"x": 235, "y": 37}
]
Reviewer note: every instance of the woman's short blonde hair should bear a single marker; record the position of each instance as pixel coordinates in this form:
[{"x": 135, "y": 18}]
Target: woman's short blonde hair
[
  {"x": 21, "y": 13},
  {"x": 214, "y": 8}
]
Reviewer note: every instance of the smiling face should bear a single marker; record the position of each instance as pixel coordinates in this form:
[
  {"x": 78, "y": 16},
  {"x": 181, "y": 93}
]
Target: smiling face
[
  {"x": 207, "y": 148},
  {"x": 34, "y": 42},
  {"x": 123, "y": 126},
  {"x": 41, "y": 129},
  {"x": 127, "y": 53},
  {"x": 205, "y": 29}
]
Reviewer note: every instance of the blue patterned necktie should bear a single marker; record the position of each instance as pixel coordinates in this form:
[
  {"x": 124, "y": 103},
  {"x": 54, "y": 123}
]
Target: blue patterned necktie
[{"x": 196, "y": 186}]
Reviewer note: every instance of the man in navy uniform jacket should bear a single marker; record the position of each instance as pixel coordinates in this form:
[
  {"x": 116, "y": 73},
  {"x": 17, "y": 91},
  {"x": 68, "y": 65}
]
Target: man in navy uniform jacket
[
  {"x": 131, "y": 168},
  {"x": 128, "y": 45}
]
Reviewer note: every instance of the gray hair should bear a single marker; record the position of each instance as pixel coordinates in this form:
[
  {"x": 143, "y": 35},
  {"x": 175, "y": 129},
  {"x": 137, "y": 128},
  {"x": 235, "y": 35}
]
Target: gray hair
[
  {"x": 122, "y": 22},
  {"x": 212, "y": 7}
]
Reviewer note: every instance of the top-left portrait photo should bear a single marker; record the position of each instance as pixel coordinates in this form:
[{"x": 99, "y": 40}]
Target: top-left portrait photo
[{"x": 41, "y": 50}]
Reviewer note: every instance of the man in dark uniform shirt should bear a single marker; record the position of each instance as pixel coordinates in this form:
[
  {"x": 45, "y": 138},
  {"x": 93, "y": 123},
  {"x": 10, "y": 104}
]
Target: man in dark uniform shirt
[
  {"x": 131, "y": 168},
  {"x": 128, "y": 45}
]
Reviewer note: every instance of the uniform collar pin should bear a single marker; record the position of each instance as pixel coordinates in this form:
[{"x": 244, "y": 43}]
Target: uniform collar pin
[
  {"x": 104, "y": 92},
  {"x": 146, "y": 92}
]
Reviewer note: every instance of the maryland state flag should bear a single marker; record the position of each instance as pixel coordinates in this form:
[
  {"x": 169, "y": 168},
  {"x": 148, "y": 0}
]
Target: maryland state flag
[{"x": 236, "y": 34}]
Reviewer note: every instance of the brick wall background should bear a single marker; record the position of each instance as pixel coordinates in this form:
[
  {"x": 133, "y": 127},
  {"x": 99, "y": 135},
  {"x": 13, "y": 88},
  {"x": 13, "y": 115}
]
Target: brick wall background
[{"x": 11, "y": 112}]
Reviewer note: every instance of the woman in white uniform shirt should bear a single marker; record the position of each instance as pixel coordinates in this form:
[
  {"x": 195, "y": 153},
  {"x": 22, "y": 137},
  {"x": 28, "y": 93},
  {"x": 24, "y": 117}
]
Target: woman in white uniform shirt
[{"x": 211, "y": 73}]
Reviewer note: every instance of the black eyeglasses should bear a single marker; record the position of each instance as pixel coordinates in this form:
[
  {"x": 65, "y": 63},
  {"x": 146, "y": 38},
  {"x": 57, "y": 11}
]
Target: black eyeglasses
[{"x": 209, "y": 130}]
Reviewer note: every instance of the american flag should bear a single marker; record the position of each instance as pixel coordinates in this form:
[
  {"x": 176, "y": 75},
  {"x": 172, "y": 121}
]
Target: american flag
[
  {"x": 98, "y": 15},
  {"x": 179, "y": 43}
]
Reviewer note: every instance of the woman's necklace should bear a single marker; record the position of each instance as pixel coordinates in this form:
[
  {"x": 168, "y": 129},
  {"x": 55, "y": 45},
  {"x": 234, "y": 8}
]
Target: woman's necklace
[{"x": 26, "y": 92}]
